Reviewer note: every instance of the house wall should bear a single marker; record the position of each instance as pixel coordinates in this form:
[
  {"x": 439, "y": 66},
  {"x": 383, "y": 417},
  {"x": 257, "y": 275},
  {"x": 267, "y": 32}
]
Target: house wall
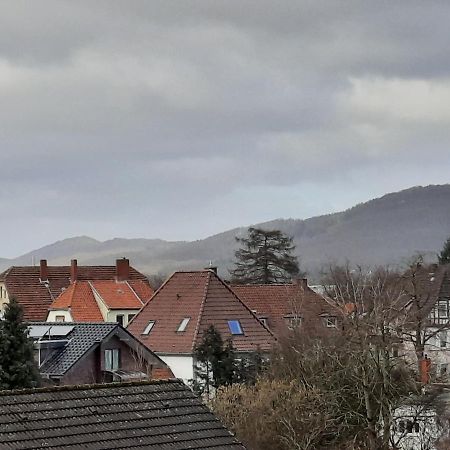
[
  {"x": 89, "y": 369},
  {"x": 182, "y": 366},
  {"x": 51, "y": 317},
  {"x": 85, "y": 371},
  {"x": 3, "y": 297},
  {"x": 103, "y": 309},
  {"x": 113, "y": 313}
]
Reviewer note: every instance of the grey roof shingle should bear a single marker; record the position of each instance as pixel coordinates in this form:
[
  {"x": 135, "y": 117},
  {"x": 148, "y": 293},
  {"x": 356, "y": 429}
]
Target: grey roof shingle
[
  {"x": 158, "y": 415},
  {"x": 81, "y": 339}
]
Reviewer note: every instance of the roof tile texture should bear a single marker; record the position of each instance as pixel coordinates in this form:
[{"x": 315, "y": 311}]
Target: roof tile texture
[
  {"x": 79, "y": 299},
  {"x": 275, "y": 302},
  {"x": 155, "y": 415},
  {"x": 206, "y": 300},
  {"x": 23, "y": 283}
]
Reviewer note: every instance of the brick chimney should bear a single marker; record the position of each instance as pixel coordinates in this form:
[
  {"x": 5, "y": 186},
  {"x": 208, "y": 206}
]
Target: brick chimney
[
  {"x": 425, "y": 368},
  {"x": 303, "y": 282},
  {"x": 73, "y": 270},
  {"x": 43, "y": 273},
  {"x": 122, "y": 269}
]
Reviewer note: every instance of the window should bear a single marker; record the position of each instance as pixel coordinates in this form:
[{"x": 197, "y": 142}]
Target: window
[
  {"x": 440, "y": 313},
  {"x": 443, "y": 339},
  {"x": 149, "y": 327},
  {"x": 408, "y": 426},
  {"x": 264, "y": 321},
  {"x": 112, "y": 359},
  {"x": 130, "y": 317},
  {"x": 119, "y": 319},
  {"x": 235, "y": 327},
  {"x": 293, "y": 322},
  {"x": 443, "y": 369},
  {"x": 183, "y": 324},
  {"x": 331, "y": 322},
  {"x": 60, "y": 319}
]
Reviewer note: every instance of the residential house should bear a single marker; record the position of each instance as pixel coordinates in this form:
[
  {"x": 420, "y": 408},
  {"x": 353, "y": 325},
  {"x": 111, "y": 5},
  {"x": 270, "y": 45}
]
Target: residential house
[
  {"x": 286, "y": 307},
  {"x": 428, "y": 300},
  {"x": 79, "y": 353},
  {"x": 151, "y": 415},
  {"x": 172, "y": 323},
  {"x": 37, "y": 288}
]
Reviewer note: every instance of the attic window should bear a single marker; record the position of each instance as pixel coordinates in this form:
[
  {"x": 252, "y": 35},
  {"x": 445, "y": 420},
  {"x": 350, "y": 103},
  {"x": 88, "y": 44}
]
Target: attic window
[
  {"x": 330, "y": 322},
  {"x": 183, "y": 324},
  {"x": 149, "y": 327},
  {"x": 264, "y": 321},
  {"x": 235, "y": 327}
]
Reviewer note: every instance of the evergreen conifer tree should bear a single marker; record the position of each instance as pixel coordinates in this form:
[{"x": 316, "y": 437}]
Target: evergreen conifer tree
[
  {"x": 215, "y": 360},
  {"x": 18, "y": 369},
  {"x": 444, "y": 256},
  {"x": 265, "y": 257}
]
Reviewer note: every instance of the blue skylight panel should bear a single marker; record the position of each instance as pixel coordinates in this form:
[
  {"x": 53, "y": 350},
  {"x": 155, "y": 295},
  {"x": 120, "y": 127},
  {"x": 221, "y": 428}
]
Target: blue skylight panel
[{"x": 235, "y": 327}]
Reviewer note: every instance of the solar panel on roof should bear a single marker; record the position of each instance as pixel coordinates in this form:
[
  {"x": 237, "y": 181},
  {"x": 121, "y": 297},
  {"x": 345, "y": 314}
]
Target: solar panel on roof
[
  {"x": 38, "y": 331},
  {"x": 60, "y": 330}
]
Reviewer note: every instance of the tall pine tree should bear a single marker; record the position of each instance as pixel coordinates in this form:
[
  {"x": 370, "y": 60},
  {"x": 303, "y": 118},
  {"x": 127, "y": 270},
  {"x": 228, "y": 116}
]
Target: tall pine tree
[
  {"x": 265, "y": 257},
  {"x": 18, "y": 369},
  {"x": 444, "y": 257},
  {"x": 215, "y": 361}
]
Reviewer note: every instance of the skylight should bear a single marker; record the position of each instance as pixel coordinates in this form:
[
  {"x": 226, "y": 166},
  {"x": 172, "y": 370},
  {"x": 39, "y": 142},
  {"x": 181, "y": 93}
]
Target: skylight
[
  {"x": 184, "y": 324},
  {"x": 235, "y": 327},
  {"x": 149, "y": 327}
]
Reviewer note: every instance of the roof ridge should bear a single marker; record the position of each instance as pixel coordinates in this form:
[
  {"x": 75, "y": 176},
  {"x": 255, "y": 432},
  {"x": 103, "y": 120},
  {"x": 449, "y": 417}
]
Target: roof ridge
[
  {"x": 202, "y": 307},
  {"x": 245, "y": 305},
  {"x": 82, "y": 387},
  {"x": 134, "y": 292}
]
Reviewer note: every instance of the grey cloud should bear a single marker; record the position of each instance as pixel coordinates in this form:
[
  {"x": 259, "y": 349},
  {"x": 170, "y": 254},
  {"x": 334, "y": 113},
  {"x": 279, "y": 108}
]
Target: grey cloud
[{"x": 158, "y": 118}]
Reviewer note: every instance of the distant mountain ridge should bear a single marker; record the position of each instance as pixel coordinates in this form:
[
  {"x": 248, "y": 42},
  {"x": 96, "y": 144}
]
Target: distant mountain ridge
[{"x": 386, "y": 230}]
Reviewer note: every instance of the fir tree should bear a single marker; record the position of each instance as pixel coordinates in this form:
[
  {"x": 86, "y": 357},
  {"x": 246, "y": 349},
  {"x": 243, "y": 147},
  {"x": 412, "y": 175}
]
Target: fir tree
[
  {"x": 444, "y": 256},
  {"x": 265, "y": 257},
  {"x": 215, "y": 361},
  {"x": 18, "y": 369}
]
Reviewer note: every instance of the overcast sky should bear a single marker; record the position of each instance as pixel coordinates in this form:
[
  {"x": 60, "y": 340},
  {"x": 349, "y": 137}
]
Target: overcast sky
[{"x": 180, "y": 119}]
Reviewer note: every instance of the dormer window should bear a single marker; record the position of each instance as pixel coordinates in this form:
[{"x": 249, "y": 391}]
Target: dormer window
[
  {"x": 235, "y": 327},
  {"x": 293, "y": 322},
  {"x": 149, "y": 327},
  {"x": 330, "y": 322},
  {"x": 264, "y": 321},
  {"x": 183, "y": 324}
]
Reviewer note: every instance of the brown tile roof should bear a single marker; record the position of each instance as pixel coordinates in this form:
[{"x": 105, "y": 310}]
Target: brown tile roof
[
  {"x": 276, "y": 302},
  {"x": 80, "y": 300},
  {"x": 204, "y": 298},
  {"x": 23, "y": 283},
  {"x": 117, "y": 294},
  {"x": 146, "y": 415},
  {"x": 428, "y": 284}
]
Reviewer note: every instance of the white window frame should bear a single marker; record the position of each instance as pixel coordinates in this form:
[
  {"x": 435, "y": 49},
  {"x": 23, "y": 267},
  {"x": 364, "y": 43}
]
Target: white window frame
[
  {"x": 149, "y": 327},
  {"x": 183, "y": 325},
  {"x": 112, "y": 359},
  {"x": 330, "y": 321}
]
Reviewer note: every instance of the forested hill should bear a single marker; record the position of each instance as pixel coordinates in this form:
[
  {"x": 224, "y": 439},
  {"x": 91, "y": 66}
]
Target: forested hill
[{"x": 387, "y": 230}]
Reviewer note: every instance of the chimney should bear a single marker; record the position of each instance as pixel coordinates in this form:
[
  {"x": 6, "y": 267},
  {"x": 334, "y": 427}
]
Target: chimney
[
  {"x": 43, "y": 274},
  {"x": 73, "y": 270},
  {"x": 425, "y": 368},
  {"x": 122, "y": 269},
  {"x": 303, "y": 282}
]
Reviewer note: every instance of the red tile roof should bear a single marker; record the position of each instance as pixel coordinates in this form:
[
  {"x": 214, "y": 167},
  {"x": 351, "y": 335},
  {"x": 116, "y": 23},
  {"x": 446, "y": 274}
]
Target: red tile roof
[
  {"x": 276, "y": 302},
  {"x": 204, "y": 298},
  {"x": 80, "y": 301},
  {"x": 23, "y": 283},
  {"x": 117, "y": 294}
]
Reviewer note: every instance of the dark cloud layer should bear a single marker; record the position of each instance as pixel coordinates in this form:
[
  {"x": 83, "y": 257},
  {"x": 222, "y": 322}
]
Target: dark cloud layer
[{"x": 180, "y": 119}]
